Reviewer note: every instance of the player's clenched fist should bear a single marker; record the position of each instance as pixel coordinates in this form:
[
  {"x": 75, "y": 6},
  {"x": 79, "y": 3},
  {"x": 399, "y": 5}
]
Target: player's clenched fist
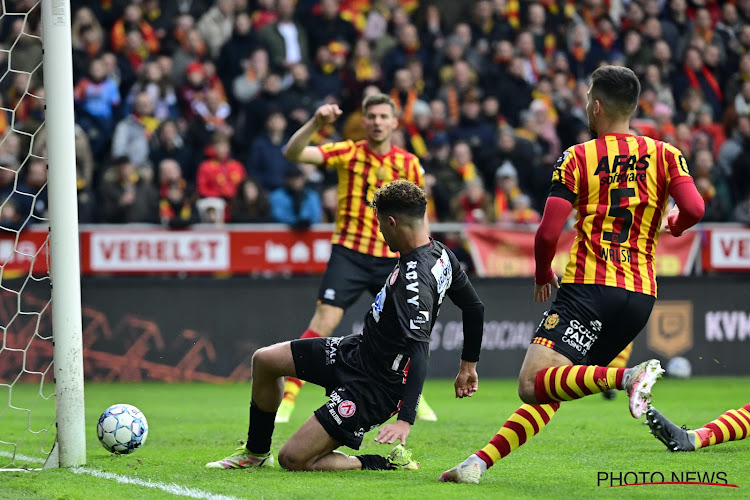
[{"x": 326, "y": 114}]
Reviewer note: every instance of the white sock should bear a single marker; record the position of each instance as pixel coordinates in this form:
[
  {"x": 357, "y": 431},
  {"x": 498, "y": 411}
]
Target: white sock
[{"x": 474, "y": 459}]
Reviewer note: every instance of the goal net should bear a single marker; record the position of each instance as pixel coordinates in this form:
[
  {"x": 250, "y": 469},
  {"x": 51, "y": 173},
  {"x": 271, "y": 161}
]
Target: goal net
[{"x": 28, "y": 409}]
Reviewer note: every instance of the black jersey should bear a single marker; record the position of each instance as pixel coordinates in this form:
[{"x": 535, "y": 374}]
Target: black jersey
[{"x": 393, "y": 348}]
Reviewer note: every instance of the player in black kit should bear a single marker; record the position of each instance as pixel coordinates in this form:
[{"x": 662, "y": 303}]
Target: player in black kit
[{"x": 374, "y": 375}]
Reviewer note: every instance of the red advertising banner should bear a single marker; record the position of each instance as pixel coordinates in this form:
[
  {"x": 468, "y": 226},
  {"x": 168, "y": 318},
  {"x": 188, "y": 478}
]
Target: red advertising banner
[
  {"x": 140, "y": 251},
  {"x": 505, "y": 253},
  {"x": 27, "y": 251},
  {"x": 727, "y": 249}
]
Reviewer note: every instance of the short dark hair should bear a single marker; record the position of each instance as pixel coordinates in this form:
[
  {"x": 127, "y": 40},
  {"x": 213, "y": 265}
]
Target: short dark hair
[
  {"x": 400, "y": 197},
  {"x": 379, "y": 98},
  {"x": 617, "y": 88}
]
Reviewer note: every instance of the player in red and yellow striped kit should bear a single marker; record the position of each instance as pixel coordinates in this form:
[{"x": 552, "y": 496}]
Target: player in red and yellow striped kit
[
  {"x": 619, "y": 185},
  {"x": 732, "y": 425},
  {"x": 360, "y": 259}
]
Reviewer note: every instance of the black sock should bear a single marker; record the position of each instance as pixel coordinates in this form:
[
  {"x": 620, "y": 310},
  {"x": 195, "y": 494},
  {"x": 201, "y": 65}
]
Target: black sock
[
  {"x": 260, "y": 430},
  {"x": 375, "y": 462}
]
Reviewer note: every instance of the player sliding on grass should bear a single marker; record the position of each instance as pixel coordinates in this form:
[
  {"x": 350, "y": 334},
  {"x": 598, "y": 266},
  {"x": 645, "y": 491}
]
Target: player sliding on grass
[
  {"x": 733, "y": 425},
  {"x": 619, "y": 184},
  {"x": 378, "y": 373},
  {"x": 360, "y": 259}
]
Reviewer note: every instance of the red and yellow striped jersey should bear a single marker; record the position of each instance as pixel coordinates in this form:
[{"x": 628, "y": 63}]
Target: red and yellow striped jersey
[
  {"x": 622, "y": 185},
  {"x": 360, "y": 173}
]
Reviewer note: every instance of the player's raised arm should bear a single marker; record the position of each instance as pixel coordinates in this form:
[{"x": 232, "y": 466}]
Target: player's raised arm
[
  {"x": 297, "y": 149},
  {"x": 689, "y": 204},
  {"x": 462, "y": 294}
]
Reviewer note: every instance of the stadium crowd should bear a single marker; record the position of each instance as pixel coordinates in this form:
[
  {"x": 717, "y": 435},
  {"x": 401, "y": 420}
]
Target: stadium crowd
[{"x": 182, "y": 107}]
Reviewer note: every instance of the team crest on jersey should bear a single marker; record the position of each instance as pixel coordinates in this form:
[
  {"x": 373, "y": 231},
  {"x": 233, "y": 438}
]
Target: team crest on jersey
[
  {"x": 381, "y": 173},
  {"x": 551, "y": 321},
  {"x": 347, "y": 408},
  {"x": 393, "y": 276}
]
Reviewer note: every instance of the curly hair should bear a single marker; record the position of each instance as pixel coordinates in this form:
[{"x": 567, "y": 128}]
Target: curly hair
[{"x": 400, "y": 197}]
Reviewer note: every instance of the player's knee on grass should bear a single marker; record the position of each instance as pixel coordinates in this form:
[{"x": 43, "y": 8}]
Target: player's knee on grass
[{"x": 289, "y": 459}]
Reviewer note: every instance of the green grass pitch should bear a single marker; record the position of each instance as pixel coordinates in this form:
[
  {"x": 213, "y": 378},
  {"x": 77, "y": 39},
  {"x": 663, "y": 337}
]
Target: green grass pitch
[{"x": 191, "y": 424}]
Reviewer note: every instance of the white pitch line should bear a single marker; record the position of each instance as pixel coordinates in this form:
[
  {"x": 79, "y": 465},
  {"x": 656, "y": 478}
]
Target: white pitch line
[
  {"x": 173, "y": 488},
  {"x": 24, "y": 458}
]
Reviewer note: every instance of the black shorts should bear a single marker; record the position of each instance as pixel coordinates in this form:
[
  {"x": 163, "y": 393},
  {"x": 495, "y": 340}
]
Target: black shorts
[
  {"x": 592, "y": 324},
  {"x": 356, "y": 403},
  {"x": 349, "y": 273}
]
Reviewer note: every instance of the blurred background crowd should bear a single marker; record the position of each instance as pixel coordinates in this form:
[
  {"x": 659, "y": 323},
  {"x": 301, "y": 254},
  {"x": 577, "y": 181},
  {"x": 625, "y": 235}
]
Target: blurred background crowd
[{"x": 182, "y": 107}]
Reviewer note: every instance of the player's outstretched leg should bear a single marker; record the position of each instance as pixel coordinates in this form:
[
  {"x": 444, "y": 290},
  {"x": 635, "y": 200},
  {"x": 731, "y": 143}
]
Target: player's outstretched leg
[
  {"x": 621, "y": 361},
  {"x": 292, "y": 386},
  {"x": 565, "y": 383},
  {"x": 243, "y": 459},
  {"x": 523, "y": 425},
  {"x": 733, "y": 425}
]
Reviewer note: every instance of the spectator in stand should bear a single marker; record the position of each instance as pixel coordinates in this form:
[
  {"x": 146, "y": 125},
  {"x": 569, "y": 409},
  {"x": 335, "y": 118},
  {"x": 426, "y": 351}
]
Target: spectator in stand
[
  {"x": 361, "y": 71},
  {"x": 712, "y": 187},
  {"x": 177, "y": 210},
  {"x": 522, "y": 212},
  {"x": 487, "y": 30},
  {"x": 152, "y": 81},
  {"x": 235, "y": 53},
  {"x": 329, "y": 200},
  {"x": 132, "y": 19},
  {"x": 404, "y": 96},
  {"x": 285, "y": 38},
  {"x": 167, "y": 143},
  {"x": 326, "y": 25},
  {"x": 220, "y": 174},
  {"x": 408, "y": 47},
  {"x": 733, "y": 146},
  {"x": 301, "y": 97},
  {"x": 215, "y": 26},
  {"x": 35, "y": 176},
  {"x": 473, "y": 204},
  {"x": 247, "y": 85},
  {"x": 295, "y": 204},
  {"x": 327, "y": 71},
  {"x": 169, "y": 173},
  {"x": 96, "y": 100},
  {"x": 250, "y": 204},
  {"x": 125, "y": 196},
  {"x": 193, "y": 90},
  {"x": 695, "y": 75},
  {"x": 471, "y": 128},
  {"x": 87, "y": 37},
  {"x": 534, "y": 65},
  {"x": 191, "y": 50},
  {"x": 266, "y": 163},
  {"x": 263, "y": 14},
  {"x": 270, "y": 97},
  {"x": 513, "y": 151},
  {"x": 506, "y": 190},
  {"x": 460, "y": 83},
  {"x": 132, "y": 133},
  {"x": 212, "y": 114},
  {"x": 462, "y": 162},
  {"x": 514, "y": 93}
]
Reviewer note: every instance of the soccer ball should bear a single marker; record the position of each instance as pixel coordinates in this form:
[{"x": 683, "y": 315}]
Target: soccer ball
[
  {"x": 679, "y": 367},
  {"x": 122, "y": 429}
]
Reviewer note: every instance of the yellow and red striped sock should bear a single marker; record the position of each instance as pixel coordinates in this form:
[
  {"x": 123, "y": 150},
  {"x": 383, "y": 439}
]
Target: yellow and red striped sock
[
  {"x": 523, "y": 425},
  {"x": 621, "y": 361},
  {"x": 293, "y": 385},
  {"x": 565, "y": 383},
  {"x": 733, "y": 425}
]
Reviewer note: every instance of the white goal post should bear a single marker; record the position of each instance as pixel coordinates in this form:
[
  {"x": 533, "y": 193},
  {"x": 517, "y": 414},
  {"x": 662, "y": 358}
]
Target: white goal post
[
  {"x": 65, "y": 266},
  {"x": 41, "y": 348}
]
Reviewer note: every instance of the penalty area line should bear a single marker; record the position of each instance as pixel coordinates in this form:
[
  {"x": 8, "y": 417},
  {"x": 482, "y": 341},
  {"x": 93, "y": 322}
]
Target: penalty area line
[{"x": 172, "y": 488}]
